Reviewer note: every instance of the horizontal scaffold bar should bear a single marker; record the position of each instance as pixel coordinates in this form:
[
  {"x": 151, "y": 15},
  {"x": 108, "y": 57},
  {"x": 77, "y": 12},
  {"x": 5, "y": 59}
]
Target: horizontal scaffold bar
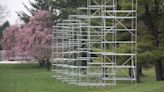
[
  {"x": 104, "y": 17},
  {"x": 101, "y": 6},
  {"x": 113, "y": 54},
  {"x": 120, "y": 11}
]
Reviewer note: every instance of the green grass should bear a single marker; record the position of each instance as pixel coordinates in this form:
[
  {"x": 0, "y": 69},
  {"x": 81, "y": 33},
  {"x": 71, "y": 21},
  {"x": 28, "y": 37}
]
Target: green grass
[{"x": 31, "y": 78}]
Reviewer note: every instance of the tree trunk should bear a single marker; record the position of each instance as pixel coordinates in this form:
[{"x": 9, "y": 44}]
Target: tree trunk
[
  {"x": 163, "y": 68},
  {"x": 158, "y": 63},
  {"x": 150, "y": 20},
  {"x": 159, "y": 70},
  {"x": 139, "y": 73},
  {"x": 140, "y": 70},
  {"x": 42, "y": 63},
  {"x": 130, "y": 72},
  {"x": 48, "y": 65}
]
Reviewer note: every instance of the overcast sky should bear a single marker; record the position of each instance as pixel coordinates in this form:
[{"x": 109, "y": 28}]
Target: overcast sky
[{"x": 13, "y": 6}]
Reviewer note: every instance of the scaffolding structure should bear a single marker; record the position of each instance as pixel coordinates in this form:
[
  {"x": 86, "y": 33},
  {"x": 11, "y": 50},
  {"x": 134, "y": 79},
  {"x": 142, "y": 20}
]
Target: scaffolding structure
[{"x": 97, "y": 46}]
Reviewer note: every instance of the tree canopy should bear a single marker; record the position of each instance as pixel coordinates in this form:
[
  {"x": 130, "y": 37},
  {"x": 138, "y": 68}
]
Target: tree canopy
[
  {"x": 58, "y": 9},
  {"x": 21, "y": 40}
]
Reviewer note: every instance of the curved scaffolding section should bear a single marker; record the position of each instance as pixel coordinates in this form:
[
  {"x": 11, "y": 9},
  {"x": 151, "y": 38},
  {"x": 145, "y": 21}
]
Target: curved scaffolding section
[{"x": 97, "y": 46}]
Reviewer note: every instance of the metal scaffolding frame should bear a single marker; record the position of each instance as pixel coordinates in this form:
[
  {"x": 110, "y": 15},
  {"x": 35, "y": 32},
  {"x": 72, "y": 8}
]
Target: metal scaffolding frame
[{"x": 97, "y": 46}]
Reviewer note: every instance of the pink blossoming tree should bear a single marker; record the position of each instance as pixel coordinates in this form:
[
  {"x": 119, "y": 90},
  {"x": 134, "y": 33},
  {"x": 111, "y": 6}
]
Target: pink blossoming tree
[
  {"x": 37, "y": 33},
  {"x": 9, "y": 40}
]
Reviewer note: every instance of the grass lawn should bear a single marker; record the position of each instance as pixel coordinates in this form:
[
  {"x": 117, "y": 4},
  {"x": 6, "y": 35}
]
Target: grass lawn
[{"x": 31, "y": 78}]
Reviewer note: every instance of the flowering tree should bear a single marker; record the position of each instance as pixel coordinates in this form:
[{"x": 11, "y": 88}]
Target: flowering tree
[
  {"x": 37, "y": 32},
  {"x": 42, "y": 53},
  {"x": 9, "y": 40}
]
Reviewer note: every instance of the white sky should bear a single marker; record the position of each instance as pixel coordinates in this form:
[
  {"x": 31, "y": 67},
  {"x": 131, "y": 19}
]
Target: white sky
[{"x": 13, "y": 6}]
